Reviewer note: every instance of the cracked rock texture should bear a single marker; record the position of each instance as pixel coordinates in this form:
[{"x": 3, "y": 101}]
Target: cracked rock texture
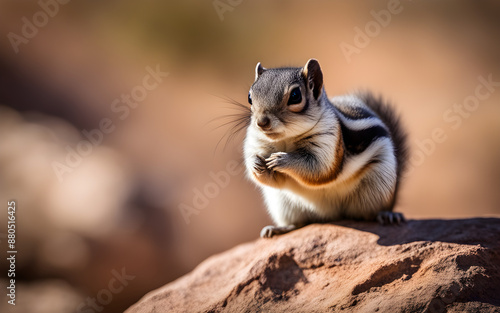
[{"x": 421, "y": 266}]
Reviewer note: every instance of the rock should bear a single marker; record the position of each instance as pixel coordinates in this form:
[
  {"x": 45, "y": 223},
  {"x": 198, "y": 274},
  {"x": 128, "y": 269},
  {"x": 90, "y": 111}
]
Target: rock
[{"x": 421, "y": 266}]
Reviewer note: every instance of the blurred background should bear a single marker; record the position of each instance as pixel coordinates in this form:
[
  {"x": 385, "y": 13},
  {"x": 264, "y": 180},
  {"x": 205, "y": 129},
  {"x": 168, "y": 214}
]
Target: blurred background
[{"x": 81, "y": 219}]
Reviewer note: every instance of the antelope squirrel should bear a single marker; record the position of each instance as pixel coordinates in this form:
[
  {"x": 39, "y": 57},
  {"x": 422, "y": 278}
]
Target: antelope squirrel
[{"x": 318, "y": 159}]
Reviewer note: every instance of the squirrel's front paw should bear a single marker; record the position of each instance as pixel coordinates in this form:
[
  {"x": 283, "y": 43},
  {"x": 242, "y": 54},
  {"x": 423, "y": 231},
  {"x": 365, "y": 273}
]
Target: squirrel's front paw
[
  {"x": 277, "y": 161},
  {"x": 259, "y": 166},
  {"x": 264, "y": 174}
]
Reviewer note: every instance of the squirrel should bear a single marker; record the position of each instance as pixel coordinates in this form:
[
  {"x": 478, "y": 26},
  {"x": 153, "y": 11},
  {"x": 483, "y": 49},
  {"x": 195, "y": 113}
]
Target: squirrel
[{"x": 318, "y": 159}]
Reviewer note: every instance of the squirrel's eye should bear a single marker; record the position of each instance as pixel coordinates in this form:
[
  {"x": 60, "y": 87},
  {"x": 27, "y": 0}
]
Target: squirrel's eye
[
  {"x": 295, "y": 96},
  {"x": 249, "y": 99}
]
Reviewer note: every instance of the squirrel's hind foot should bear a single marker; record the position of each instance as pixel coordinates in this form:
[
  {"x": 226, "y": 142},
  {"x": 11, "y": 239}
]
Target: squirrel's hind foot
[
  {"x": 270, "y": 230},
  {"x": 390, "y": 218}
]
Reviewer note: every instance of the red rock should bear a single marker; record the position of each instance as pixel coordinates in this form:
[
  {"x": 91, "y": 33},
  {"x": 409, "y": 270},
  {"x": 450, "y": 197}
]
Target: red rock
[{"x": 421, "y": 266}]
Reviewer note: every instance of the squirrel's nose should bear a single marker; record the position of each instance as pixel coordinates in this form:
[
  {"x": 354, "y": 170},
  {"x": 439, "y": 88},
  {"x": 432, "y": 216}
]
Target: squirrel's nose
[{"x": 264, "y": 123}]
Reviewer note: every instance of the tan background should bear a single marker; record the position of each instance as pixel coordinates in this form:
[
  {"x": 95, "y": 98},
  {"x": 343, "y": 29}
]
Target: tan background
[{"x": 120, "y": 206}]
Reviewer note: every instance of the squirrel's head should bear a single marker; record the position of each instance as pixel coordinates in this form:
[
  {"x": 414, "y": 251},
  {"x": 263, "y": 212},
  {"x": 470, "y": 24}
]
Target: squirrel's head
[{"x": 286, "y": 102}]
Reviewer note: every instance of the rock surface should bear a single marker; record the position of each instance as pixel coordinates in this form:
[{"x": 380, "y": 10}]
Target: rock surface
[{"x": 421, "y": 266}]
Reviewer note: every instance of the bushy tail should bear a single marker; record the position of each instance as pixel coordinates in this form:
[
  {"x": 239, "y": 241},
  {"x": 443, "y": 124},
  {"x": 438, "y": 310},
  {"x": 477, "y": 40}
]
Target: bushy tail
[{"x": 390, "y": 118}]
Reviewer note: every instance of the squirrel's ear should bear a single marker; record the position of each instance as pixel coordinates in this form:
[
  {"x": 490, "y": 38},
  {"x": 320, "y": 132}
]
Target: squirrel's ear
[
  {"x": 314, "y": 77},
  {"x": 259, "y": 70}
]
